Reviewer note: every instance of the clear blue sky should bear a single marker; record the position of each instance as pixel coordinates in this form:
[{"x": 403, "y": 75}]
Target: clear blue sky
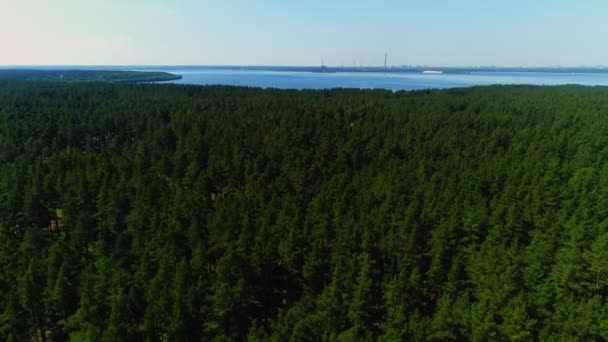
[{"x": 293, "y": 32}]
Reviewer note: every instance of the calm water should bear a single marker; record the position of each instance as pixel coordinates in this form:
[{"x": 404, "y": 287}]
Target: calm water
[
  {"x": 306, "y": 78},
  {"x": 392, "y": 81}
]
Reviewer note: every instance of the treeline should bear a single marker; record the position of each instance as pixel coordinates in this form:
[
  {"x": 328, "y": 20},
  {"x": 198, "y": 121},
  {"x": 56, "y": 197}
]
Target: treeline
[
  {"x": 113, "y": 76},
  {"x": 188, "y": 213}
]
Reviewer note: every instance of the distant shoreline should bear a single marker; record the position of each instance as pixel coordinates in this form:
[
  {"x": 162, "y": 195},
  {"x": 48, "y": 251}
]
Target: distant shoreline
[
  {"x": 324, "y": 69},
  {"x": 78, "y": 75}
]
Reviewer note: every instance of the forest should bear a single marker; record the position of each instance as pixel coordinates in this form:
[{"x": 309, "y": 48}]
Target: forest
[
  {"x": 157, "y": 212},
  {"x": 114, "y": 76}
]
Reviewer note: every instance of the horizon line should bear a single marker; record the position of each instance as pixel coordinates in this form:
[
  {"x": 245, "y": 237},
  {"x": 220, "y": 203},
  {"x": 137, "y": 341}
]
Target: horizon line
[{"x": 490, "y": 66}]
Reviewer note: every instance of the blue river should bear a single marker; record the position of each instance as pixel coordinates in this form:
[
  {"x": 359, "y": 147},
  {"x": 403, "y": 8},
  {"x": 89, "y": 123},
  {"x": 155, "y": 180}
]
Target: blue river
[
  {"x": 364, "y": 78},
  {"x": 306, "y": 79}
]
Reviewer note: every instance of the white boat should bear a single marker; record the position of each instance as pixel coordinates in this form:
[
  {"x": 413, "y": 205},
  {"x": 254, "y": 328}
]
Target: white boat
[{"x": 432, "y": 72}]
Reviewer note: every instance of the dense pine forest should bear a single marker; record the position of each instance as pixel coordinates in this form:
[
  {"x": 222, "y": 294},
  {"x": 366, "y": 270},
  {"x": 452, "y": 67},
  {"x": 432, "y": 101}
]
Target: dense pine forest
[{"x": 189, "y": 213}]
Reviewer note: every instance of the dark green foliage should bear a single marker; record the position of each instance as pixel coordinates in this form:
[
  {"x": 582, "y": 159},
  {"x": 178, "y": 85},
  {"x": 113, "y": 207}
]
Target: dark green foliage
[
  {"x": 114, "y": 76},
  {"x": 176, "y": 213}
]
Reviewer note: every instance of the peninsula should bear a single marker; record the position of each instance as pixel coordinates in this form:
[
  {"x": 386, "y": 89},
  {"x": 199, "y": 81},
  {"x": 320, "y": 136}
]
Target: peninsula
[{"x": 112, "y": 76}]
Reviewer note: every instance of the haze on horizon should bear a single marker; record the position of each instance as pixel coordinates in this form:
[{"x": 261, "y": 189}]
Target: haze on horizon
[{"x": 274, "y": 32}]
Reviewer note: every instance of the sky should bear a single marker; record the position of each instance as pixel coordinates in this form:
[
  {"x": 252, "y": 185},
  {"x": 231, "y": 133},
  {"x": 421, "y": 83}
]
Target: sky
[{"x": 307, "y": 32}]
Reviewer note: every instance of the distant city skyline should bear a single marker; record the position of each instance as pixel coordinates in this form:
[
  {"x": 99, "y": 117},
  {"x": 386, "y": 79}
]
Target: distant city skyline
[{"x": 288, "y": 33}]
